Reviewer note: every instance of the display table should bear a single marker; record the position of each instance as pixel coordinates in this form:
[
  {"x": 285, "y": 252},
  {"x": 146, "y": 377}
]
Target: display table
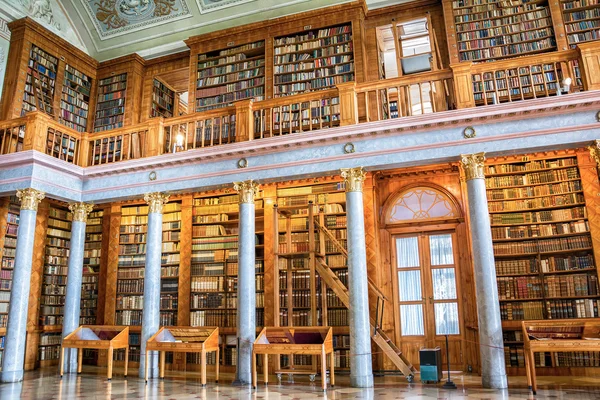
[
  {"x": 98, "y": 337},
  {"x": 313, "y": 340},
  {"x": 554, "y": 336},
  {"x": 184, "y": 340}
]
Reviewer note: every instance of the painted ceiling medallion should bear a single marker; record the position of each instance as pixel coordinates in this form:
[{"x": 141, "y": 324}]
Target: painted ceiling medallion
[{"x": 116, "y": 17}]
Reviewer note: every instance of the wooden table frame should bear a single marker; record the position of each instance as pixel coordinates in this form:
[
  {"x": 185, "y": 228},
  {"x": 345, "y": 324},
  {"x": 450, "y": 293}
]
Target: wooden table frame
[
  {"x": 176, "y": 340},
  {"x": 552, "y": 336},
  {"x": 285, "y": 340},
  {"x": 75, "y": 340}
]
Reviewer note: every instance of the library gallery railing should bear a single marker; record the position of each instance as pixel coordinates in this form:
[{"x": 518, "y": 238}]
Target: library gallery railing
[{"x": 464, "y": 85}]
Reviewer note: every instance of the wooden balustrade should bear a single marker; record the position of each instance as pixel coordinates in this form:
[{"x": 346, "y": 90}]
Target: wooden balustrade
[
  {"x": 195, "y": 131},
  {"x": 406, "y": 96},
  {"x": 296, "y": 114},
  {"x": 463, "y": 85}
]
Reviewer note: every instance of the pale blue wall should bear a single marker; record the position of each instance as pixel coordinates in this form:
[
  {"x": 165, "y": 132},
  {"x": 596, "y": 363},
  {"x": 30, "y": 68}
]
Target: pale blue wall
[{"x": 4, "y": 45}]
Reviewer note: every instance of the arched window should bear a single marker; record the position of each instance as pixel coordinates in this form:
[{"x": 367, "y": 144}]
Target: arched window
[{"x": 421, "y": 203}]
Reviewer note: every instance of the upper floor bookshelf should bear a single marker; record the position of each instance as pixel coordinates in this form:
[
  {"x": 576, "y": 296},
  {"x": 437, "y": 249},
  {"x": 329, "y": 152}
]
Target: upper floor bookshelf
[
  {"x": 488, "y": 30},
  {"x": 40, "y": 82},
  {"x": 313, "y": 60},
  {"x": 110, "y": 107},
  {"x": 163, "y": 100},
  {"x": 227, "y": 75},
  {"x": 582, "y": 20},
  {"x": 75, "y": 99}
]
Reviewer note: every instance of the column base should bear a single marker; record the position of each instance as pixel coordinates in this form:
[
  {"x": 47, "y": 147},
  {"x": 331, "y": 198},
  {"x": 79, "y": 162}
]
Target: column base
[
  {"x": 494, "y": 381},
  {"x": 361, "y": 381},
  {"x": 152, "y": 373},
  {"x": 239, "y": 383},
  {"x": 70, "y": 368},
  {"x": 12, "y": 376}
]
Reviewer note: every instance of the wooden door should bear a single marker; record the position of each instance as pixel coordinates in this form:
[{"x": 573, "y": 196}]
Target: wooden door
[{"x": 427, "y": 295}]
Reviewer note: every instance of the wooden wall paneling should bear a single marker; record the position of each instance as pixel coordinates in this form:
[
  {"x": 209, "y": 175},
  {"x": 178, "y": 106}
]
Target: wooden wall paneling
[
  {"x": 37, "y": 274},
  {"x": 450, "y": 30},
  {"x": 112, "y": 263},
  {"x": 14, "y": 78},
  {"x": 588, "y": 170},
  {"x": 558, "y": 24},
  {"x": 185, "y": 254},
  {"x": 102, "y": 276},
  {"x": 269, "y": 67},
  {"x": 271, "y": 273},
  {"x": 4, "y": 203}
]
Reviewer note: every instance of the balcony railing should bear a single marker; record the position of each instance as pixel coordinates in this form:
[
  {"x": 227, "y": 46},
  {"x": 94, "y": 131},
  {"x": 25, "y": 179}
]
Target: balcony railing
[{"x": 464, "y": 85}]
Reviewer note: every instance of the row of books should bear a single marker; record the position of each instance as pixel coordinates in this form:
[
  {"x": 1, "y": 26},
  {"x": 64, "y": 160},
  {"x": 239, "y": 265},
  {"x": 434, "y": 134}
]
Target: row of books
[
  {"x": 300, "y": 299},
  {"x": 539, "y": 216},
  {"x": 210, "y": 80},
  {"x": 507, "y": 39},
  {"x": 318, "y": 83},
  {"x": 571, "y": 285},
  {"x": 499, "y": 30},
  {"x": 509, "y": 50},
  {"x": 130, "y": 285},
  {"x": 520, "y": 288},
  {"x": 321, "y": 33},
  {"x": 536, "y": 191},
  {"x": 214, "y": 255},
  {"x": 581, "y": 308},
  {"x": 231, "y": 70},
  {"x": 230, "y": 87},
  {"x": 313, "y": 44},
  {"x": 335, "y": 50},
  {"x": 128, "y": 317},
  {"x": 522, "y": 310},
  {"x": 538, "y": 202},
  {"x": 129, "y": 302},
  {"x": 233, "y": 50},
  {"x": 533, "y": 178},
  {"x": 531, "y": 231},
  {"x": 543, "y": 245}
]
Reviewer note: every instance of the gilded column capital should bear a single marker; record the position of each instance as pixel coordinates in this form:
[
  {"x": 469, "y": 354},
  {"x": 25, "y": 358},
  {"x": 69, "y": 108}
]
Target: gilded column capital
[
  {"x": 30, "y": 198},
  {"x": 472, "y": 164},
  {"x": 156, "y": 201},
  {"x": 80, "y": 211},
  {"x": 247, "y": 190},
  {"x": 594, "y": 149},
  {"x": 354, "y": 178}
]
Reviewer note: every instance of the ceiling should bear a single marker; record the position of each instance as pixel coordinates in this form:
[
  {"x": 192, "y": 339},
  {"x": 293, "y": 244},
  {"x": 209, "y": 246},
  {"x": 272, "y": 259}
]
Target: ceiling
[{"x": 107, "y": 29}]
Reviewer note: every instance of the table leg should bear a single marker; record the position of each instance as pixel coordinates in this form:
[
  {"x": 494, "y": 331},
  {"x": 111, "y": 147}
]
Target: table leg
[
  {"x": 163, "y": 357},
  {"x": 323, "y": 370},
  {"x": 528, "y": 369},
  {"x": 62, "y": 361},
  {"x": 79, "y": 360},
  {"x": 203, "y": 367},
  {"x": 533, "y": 374},
  {"x": 266, "y": 368},
  {"x": 126, "y": 360},
  {"x": 254, "y": 377},
  {"x": 146, "y": 368},
  {"x": 110, "y": 362},
  {"x": 217, "y": 367},
  {"x": 331, "y": 368}
]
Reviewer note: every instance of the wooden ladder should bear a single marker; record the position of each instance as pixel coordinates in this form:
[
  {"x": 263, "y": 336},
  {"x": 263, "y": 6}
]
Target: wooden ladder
[{"x": 333, "y": 282}]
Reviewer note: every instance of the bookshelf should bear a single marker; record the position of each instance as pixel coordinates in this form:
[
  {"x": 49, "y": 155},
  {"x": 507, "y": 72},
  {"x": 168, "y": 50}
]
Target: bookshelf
[
  {"x": 91, "y": 268},
  {"x": 61, "y": 146},
  {"x": 163, "y": 100},
  {"x": 227, "y": 75},
  {"x": 170, "y": 263},
  {"x": 299, "y": 244},
  {"x": 543, "y": 248},
  {"x": 110, "y": 106},
  {"x": 75, "y": 99},
  {"x": 54, "y": 284},
  {"x": 519, "y": 83},
  {"x": 582, "y": 20},
  {"x": 8, "y": 258},
  {"x": 488, "y": 30},
  {"x": 313, "y": 60},
  {"x": 214, "y": 268},
  {"x": 40, "y": 82}
]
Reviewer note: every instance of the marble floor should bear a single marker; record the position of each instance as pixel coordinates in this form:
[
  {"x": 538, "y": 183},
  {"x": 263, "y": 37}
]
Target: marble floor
[{"x": 45, "y": 384}]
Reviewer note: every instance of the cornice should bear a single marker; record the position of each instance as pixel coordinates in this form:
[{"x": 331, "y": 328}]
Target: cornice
[
  {"x": 30, "y": 157},
  {"x": 340, "y": 135}
]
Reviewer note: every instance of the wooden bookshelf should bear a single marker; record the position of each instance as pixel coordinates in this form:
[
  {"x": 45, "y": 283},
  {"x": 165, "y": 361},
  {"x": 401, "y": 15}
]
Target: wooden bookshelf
[
  {"x": 170, "y": 263},
  {"x": 40, "y": 82},
  {"x": 163, "y": 100},
  {"x": 214, "y": 268},
  {"x": 313, "y": 60},
  {"x": 582, "y": 20},
  {"x": 91, "y": 268},
  {"x": 545, "y": 261},
  {"x": 227, "y": 75},
  {"x": 488, "y": 30},
  {"x": 110, "y": 106},
  {"x": 518, "y": 83},
  {"x": 299, "y": 244},
  {"x": 9, "y": 217},
  {"x": 61, "y": 146},
  {"x": 75, "y": 99}
]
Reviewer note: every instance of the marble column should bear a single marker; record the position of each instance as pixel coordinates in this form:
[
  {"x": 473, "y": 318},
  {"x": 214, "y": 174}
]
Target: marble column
[
  {"x": 151, "y": 314},
  {"x": 246, "y": 288},
  {"x": 361, "y": 367},
  {"x": 16, "y": 330},
  {"x": 72, "y": 307},
  {"x": 491, "y": 346}
]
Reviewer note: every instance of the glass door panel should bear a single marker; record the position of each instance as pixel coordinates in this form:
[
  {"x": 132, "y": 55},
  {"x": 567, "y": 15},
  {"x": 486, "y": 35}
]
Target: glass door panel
[
  {"x": 443, "y": 278},
  {"x": 410, "y": 286}
]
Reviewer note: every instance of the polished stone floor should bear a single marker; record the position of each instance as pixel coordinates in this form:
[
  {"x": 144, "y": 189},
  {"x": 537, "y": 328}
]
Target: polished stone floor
[{"x": 46, "y": 385}]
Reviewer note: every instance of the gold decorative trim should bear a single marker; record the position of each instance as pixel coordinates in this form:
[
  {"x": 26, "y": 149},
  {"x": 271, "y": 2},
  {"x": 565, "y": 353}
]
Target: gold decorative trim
[
  {"x": 80, "y": 211},
  {"x": 349, "y": 148},
  {"x": 30, "y": 198},
  {"x": 469, "y": 132},
  {"x": 595, "y": 151},
  {"x": 472, "y": 164},
  {"x": 353, "y": 178},
  {"x": 247, "y": 190},
  {"x": 242, "y": 163},
  {"x": 156, "y": 201}
]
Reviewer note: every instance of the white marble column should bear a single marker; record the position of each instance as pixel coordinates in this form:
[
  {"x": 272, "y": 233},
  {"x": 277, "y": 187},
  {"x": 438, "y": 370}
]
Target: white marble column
[
  {"x": 14, "y": 344},
  {"x": 491, "y": 347},
  {"x": 72, "y": 307},
  {"x": 151, "y": 313},
  {"x": 361, "y": 367},
  {"x": 246, "y": 288}
]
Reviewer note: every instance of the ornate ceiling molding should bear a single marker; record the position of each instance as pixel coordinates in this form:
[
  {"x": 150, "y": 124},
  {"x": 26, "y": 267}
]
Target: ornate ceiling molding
[
  {"x": 207, "y": 6},
  {"x": 4, "y": 31}
]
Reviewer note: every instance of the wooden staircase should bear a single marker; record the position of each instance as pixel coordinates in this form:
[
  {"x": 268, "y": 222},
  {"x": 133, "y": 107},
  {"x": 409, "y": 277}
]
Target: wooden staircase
[{"x": 333, "y": 282}]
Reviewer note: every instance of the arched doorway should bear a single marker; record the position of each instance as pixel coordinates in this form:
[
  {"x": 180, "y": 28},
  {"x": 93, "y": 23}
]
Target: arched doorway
[{"x": 422, "y": 223}]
